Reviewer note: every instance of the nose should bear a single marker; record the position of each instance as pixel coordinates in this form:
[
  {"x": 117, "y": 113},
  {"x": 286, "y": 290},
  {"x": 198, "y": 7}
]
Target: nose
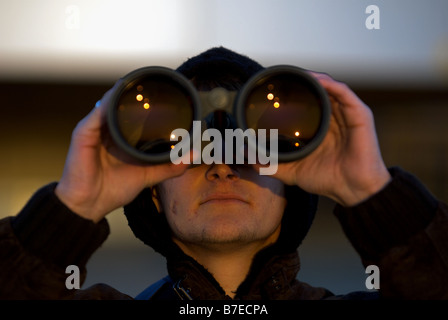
[{"x": 222, "y": 172}]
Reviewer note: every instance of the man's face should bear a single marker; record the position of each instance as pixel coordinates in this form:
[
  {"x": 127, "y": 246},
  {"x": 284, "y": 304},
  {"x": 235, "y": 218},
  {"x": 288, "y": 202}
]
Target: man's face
[{"x": 219, "y": 204}]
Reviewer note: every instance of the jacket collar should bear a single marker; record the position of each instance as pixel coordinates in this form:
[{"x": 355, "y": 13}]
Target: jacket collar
[{"x": 271, "y": 279}]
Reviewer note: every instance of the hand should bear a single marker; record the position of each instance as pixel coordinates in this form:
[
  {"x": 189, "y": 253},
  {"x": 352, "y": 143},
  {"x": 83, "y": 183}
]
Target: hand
[
  {"x": 347, "y": 167},
  {"x": 97, "y": 176}
]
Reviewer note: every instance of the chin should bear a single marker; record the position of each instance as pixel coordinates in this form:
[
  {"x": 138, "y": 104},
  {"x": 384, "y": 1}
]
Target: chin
[{"x": 233, "y": 231}]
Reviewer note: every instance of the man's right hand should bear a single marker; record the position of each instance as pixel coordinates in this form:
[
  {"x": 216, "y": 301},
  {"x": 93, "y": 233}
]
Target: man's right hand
[{"x": 98, "y": 177}]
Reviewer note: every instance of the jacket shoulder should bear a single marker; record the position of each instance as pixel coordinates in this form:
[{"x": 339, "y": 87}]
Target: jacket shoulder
[
  {"x": 356, "y": 295},
  {"x": 100, "y": 291}
]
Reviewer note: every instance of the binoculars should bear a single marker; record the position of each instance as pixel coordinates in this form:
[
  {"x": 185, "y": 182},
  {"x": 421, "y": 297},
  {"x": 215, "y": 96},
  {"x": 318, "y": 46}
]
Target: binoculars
[{"x": 152, "y": 102}]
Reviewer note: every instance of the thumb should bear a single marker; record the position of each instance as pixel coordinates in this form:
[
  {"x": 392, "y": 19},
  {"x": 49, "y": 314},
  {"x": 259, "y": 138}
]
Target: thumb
[{"x": 160, "y": 172}]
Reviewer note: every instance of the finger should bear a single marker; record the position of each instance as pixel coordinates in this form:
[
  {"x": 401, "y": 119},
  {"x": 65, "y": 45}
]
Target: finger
[
  {"x": 319, "y": 75},
  {"x": 104, "y": 104},
  {"x": 92, "y": 124},
  {"x": 338, "y": 90},
  {"x": 347, "y": 107},
  {"x": 99, "y": 112},
  {"x": 160, "y": 172}
]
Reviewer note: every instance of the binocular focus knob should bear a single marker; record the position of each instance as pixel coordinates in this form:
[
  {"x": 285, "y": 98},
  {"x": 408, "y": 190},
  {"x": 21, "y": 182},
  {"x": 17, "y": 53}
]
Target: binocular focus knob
[{"x": 218, "y": 98}]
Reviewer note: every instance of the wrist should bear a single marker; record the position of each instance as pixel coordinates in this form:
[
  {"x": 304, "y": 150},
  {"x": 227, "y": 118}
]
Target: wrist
[
  {"x": 76, "y": 202},
  {"x": 355, "y": 192}
]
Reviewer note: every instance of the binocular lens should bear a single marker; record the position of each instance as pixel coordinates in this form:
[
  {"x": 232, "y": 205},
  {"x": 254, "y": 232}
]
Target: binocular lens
[
  {"x": 288, "y": 103},
  {"x": 147, "y": 109}
]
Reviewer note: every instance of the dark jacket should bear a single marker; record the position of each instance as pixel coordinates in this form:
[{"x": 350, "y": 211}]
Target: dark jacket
[{"x": 402, "y": 229}]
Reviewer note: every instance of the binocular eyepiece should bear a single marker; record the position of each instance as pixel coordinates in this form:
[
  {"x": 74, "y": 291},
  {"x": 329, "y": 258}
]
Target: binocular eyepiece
[{"x": 152, "y": 102}]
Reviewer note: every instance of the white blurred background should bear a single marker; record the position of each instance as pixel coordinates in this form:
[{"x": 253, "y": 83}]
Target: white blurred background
[
  {"x": 57, "y": 57},
  {"x": 101, "y": 39}
]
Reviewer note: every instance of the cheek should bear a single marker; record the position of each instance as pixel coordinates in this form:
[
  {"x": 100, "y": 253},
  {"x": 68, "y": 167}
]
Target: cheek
[
  {"x": 172, "y": 204},
  {"x": 269, "y": 190},
  {"x": 176, "y": 203},
  {"x": 173, "y": 207},
  {"x": 180, "y": 217},
  {"x": 276, "y": 205},
  {"x": 272, "y": 202},
  {"x": 169, "y": 195}
]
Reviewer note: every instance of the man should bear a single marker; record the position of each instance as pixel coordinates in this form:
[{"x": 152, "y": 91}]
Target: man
[{"x": 226, "y": 231}]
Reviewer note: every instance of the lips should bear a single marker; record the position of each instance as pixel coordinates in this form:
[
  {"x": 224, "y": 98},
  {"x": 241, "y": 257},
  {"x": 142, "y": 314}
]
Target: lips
[{"x": 223, "y": 197}]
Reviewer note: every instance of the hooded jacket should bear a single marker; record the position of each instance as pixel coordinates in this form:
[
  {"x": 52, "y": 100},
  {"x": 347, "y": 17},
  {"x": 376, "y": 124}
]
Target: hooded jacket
[{"x": 402, "y": 229}]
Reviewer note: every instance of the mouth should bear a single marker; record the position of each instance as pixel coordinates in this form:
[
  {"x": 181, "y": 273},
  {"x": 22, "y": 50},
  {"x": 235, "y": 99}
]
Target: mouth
[{"x": 223, "y": 198}]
